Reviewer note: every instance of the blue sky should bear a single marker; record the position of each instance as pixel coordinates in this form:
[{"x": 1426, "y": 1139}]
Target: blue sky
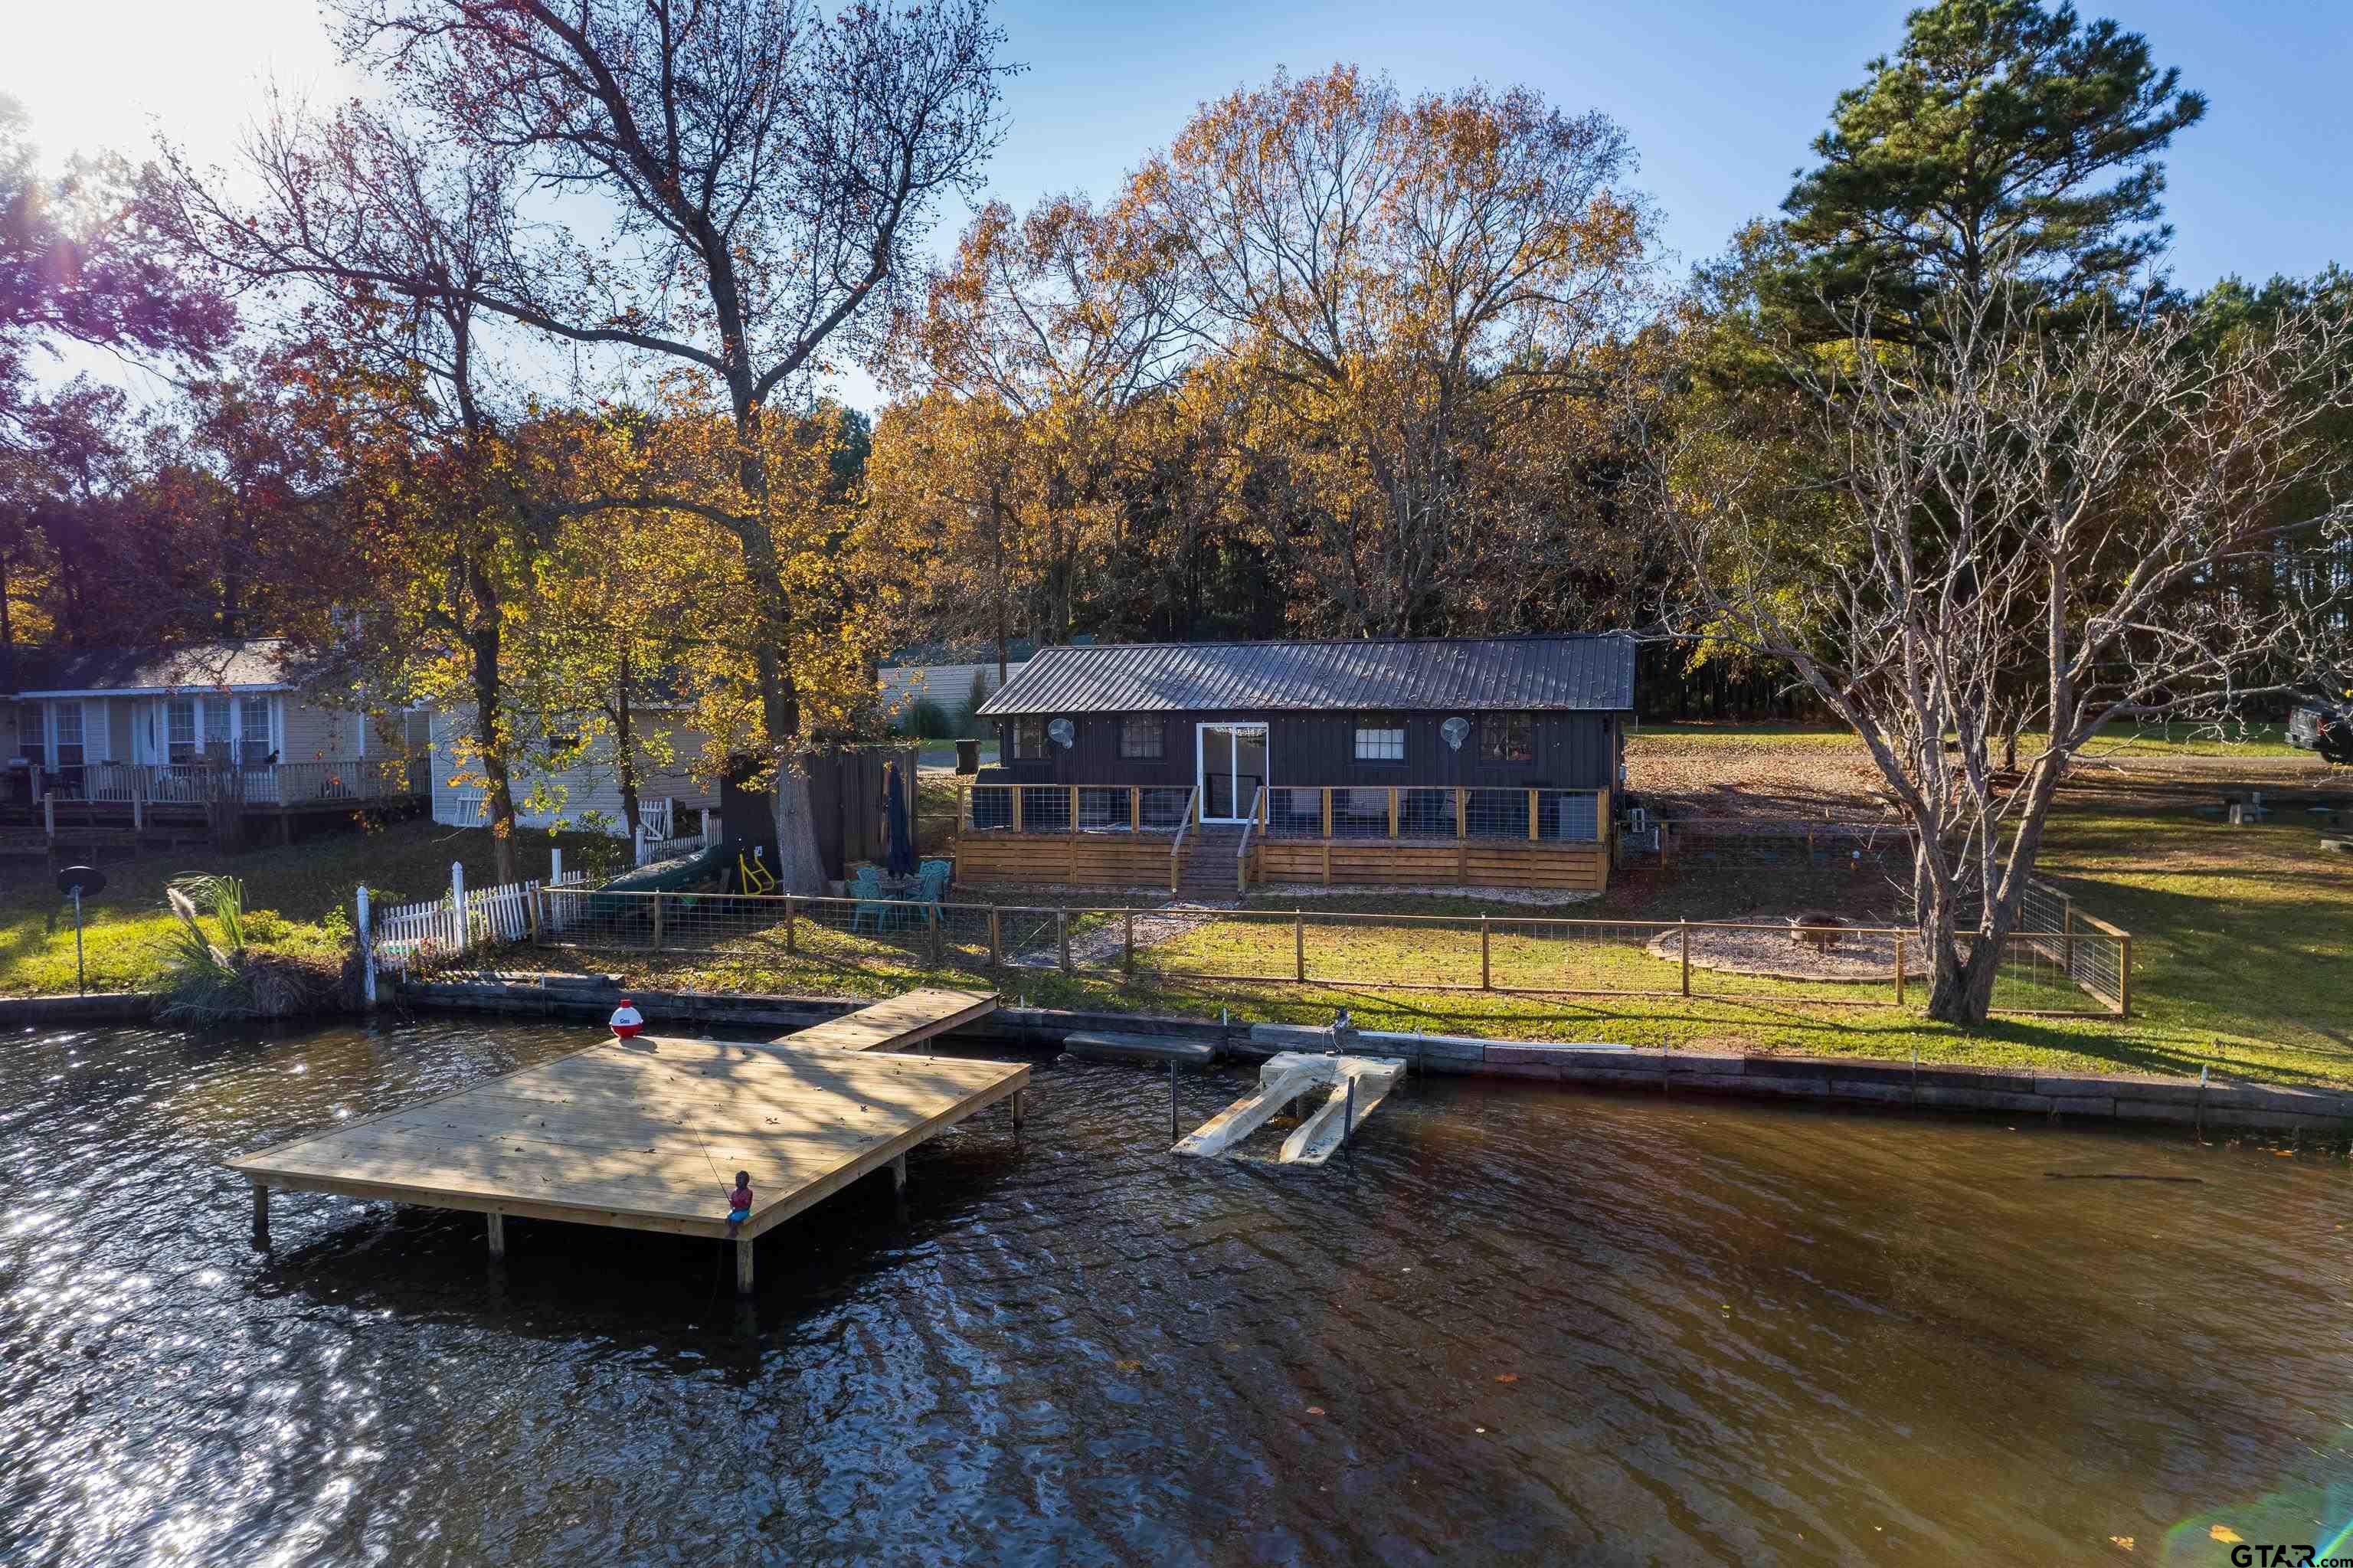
[{"x": 1721, "y": 98}]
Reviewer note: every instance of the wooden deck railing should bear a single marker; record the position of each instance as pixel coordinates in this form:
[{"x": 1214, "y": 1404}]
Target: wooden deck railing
[
  {"x": 1334, "y": 812},
  {"x": 357, "y": 779}
]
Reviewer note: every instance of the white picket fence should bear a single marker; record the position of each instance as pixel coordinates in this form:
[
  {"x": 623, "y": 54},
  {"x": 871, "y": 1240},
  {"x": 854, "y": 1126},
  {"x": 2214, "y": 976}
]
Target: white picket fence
[
  {"x": 650, "y": 845},
  {"x": 461, "y": 921}
]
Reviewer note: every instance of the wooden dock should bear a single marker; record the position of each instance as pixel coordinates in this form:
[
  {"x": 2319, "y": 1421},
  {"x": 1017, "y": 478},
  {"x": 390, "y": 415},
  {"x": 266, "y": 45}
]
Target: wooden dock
[
  {"x": 903, "y": 1020},
  {"x": 647, "y": 1134}
]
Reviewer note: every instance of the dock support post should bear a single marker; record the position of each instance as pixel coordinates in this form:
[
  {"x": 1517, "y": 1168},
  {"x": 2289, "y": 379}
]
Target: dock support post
[
  {"x": 743, "y": 1265},
  {"x": 1126, "y": 943},
  {"x": 498, "y": 1229},
  {"x": 1683, "y": 930},
  {"x": 1173, "y": 1132},
  {"x": 1298, "y": 948},
  {"x": 1014, "y": 1101},
  {"x": 1486, "y": 971},
  {"x": 899, "y": 1174},
  {"x": 1062, "y": 937},
  {"x": 1349, "y": 1115},
  {"x": 995, "y": 940},
  {"x": 260, "y": 1217}
]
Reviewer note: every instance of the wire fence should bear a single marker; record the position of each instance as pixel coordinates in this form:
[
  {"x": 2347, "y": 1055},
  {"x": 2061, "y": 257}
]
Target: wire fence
[
  {"x": 798, "y": 940},
  {"x": 1061, "y": 808}
]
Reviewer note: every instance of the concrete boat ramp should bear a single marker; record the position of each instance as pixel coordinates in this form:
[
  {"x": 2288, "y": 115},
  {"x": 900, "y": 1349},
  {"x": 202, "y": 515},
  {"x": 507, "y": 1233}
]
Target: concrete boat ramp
[{"x": 1353, "y": 1088}]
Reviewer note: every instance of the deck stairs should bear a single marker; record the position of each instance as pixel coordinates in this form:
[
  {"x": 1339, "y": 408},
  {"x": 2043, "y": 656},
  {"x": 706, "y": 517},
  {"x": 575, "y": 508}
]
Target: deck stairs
[{"x": 1208, "y": 874}]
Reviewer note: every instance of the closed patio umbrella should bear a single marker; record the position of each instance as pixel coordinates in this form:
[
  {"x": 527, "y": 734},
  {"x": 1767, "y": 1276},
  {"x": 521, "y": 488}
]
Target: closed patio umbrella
[{"x": 900, "y": 860}]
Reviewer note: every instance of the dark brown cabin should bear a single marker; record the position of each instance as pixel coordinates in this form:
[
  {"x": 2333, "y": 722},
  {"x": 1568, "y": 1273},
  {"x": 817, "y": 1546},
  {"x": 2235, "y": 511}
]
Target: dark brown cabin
[{"x": 1448, "y": 760}]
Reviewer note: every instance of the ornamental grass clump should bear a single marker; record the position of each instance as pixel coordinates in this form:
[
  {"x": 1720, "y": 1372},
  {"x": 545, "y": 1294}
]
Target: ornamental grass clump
[{"x": 209, "y": 977}]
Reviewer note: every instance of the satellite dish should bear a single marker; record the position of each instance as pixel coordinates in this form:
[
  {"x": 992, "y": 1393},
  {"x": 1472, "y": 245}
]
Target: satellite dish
[
  {"x": 1061, "y": 732},
  {"x": 1455, "y": 730},
  {"x": 89, "y": 878}
]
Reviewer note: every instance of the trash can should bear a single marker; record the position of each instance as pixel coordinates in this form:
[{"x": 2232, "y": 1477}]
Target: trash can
[{"x": 967, "y": 757}]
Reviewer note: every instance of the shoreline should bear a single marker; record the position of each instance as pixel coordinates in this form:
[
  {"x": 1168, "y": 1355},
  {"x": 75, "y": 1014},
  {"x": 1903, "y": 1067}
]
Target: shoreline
[{"x": 1839, "y": 1080}]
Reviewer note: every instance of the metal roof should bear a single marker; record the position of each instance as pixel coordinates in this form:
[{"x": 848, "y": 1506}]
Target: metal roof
[
  {"x": 1593, "y": 672},
  {"x": 204, "y": 666}
]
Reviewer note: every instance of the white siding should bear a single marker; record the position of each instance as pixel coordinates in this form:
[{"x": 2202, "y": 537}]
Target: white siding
[{"x": 594, "y": 786}]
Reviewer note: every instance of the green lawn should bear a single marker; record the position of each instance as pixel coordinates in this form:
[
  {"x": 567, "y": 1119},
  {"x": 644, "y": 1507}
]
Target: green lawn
[
  {"x": 2240, "y": 937},
  {"x": 2151, "y": 740},
  {"x": 406, "y": 861}
]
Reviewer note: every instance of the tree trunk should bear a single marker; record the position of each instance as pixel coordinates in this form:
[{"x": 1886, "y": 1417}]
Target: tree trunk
[
  {"x": 1960, "y": 990},
  {"x": 625, "y": 757},
  {"x": 487, "y": 733}
]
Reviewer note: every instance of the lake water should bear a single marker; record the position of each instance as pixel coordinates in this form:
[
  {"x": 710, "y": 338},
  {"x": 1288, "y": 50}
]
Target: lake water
[{"x": 1515, "y": 1325}]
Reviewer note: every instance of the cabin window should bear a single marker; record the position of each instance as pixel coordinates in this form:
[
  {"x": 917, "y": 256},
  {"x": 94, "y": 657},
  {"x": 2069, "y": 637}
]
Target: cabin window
[
  {"x": 34, "y": 744},
  {"x": 69, "y": 752},
  {"x": 1380, "y": 740},
  {"x": 180, "y": 730},
  {"x": 253, "y": 746},
  {"x": 217, "y": 711},
  {"x": 1507, "y": 737},
  {"x": 1143, "y": 739},
  {"x": 1028, "y": 740}
]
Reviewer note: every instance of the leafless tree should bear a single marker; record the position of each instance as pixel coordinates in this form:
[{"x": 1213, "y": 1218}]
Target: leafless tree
[
  {"x": 2122, "y": 523},
  {"x": 766, "y": 168},
  {"x": 377, "y": 244}
]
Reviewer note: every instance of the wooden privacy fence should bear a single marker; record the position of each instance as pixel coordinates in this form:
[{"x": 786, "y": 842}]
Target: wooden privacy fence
[{"x": 2084, "y": 971}]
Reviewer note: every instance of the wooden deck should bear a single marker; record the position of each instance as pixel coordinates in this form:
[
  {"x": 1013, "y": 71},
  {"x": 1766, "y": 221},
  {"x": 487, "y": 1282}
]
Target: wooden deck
[
  {"x": 647, "y": 1134},
  {"x": 901, "y": 1022}
]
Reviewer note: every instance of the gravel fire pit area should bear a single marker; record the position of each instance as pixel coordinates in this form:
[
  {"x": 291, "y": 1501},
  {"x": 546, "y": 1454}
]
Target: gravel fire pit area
[{"x": 1779, "y": 948}]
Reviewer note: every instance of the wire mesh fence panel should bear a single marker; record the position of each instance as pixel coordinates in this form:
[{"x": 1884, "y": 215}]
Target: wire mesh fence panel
[
  {"x": 1045, "y": 807},
  {"x": 1361, "y": 812},
  {"x": 798, "y": 940},
  {"x": 1573, "y": 954},
  {"x": 990, "y": 806},
  {"x": 2037, "y": 974},
  {"x": 1297, "y": 814},
  {"x": 1356, "y": 950},
  {"x": 1790, "y": 961},
  {"x": 1029, "y": 938},
  {"x": 1163, "y": 807},
  {"x": 1226, "y": 944}
]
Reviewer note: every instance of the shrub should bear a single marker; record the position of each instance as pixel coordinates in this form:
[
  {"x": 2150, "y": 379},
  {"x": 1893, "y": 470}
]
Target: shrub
[
  {"x": 266, "y": 925},
  {"x": 926, "y": 720},
  {"x": 973, "y": 700},
  {"x": 211, "y": 976}
]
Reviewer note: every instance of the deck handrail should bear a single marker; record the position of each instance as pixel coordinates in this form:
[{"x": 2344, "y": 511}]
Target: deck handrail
[
  {"x": 1251, "y": 819},
  {"x": 1176, "y": 845},
  {"x": 1546, "y": 814},
  {"x": 257, "y": 784}
]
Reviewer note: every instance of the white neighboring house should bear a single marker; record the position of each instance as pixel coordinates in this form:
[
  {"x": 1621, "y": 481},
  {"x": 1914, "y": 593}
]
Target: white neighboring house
[
  {"x": 592, "y": 785},
  {"x": 946, "y": 685},
  {"x": 87, "y": 717}
]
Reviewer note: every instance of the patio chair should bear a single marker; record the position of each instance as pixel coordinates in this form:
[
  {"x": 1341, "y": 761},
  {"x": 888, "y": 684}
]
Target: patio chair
[
  {"x": 873, "y": 903},
  {"x": 931, "y": 886}
]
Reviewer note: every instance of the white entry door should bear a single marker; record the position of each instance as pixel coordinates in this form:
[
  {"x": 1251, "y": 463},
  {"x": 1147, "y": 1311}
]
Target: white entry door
[{"x": 1232, "y": 758}]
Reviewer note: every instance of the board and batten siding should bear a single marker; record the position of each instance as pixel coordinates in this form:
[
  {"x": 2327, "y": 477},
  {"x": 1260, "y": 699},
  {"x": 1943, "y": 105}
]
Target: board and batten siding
[
  {"x": 594, "y": 786},
  {"x": 1573, "y": 751}
]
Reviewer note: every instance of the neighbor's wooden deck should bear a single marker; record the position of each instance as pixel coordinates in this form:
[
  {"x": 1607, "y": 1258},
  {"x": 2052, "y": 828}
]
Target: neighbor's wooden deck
[{"x": 647, "y": 1134}]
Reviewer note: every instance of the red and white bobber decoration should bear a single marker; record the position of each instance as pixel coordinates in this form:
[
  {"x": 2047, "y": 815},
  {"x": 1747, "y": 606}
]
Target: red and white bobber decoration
[{"x": 627, "y": 1020}]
